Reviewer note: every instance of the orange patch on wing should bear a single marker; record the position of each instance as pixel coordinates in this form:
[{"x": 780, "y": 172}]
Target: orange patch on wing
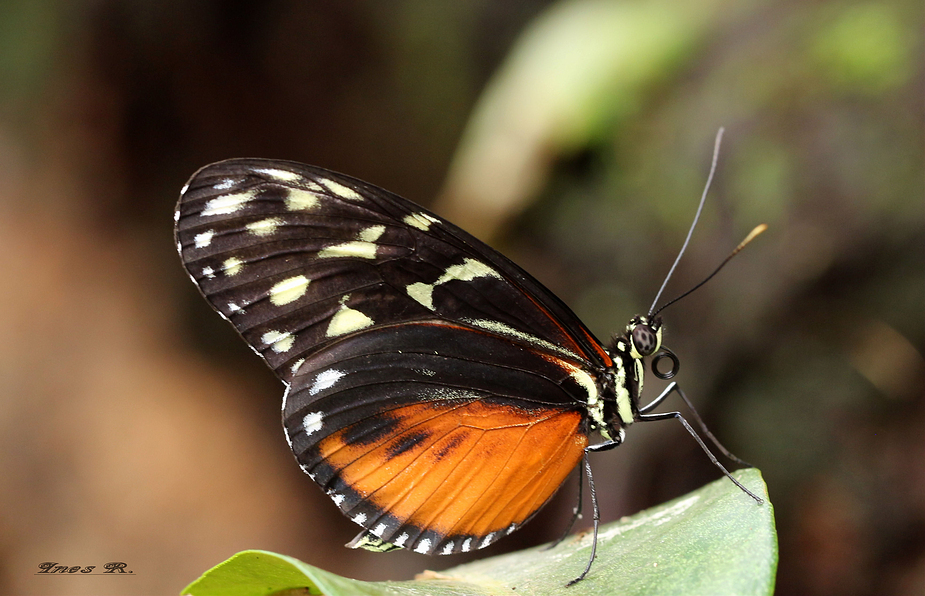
[{"x": 467, "y": 468}]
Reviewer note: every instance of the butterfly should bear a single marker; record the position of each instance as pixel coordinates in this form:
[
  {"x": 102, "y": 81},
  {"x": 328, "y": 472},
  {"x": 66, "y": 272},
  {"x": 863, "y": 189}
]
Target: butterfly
[{"x": 436, "y": 391}]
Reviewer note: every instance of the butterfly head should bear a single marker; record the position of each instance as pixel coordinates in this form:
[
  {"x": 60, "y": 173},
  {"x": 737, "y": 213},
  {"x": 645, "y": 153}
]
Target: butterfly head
[{"x": 644, "y": 336}]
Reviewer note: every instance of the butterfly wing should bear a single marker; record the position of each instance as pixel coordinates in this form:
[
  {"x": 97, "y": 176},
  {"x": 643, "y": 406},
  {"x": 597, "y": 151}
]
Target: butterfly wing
[{"x": 434, "y": 389}]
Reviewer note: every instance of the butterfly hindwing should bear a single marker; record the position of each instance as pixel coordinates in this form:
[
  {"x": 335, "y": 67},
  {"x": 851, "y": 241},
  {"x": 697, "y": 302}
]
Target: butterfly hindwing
[
  {"x": 420, "y": 433},
  {"x": 434, "y": 387}
]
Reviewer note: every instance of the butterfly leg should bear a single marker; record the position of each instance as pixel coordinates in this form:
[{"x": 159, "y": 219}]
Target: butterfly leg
[
  {"x": 605, "y": 446},
  {"x": 673, "y": 387},
  {"x": 645, "y": 416}
]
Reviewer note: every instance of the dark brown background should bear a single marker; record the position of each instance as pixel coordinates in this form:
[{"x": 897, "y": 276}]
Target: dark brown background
[{"x": 136, "y": 427}]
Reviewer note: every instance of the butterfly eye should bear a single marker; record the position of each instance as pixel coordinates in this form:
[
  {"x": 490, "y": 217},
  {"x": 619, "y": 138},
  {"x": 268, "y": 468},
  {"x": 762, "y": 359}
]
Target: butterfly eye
[{"x": 645, "y": 340}]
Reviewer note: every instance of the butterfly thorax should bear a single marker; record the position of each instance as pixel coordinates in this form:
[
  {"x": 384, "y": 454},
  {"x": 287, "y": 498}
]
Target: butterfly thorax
[{"x": 623, "y": 382}]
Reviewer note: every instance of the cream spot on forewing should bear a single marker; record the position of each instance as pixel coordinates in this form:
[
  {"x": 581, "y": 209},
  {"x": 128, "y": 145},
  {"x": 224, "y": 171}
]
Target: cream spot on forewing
[
  {"x": 423, "y": 293},
  {"x": 364, "y": 247},
  {"x": 371, "y": 234},
  {"x": 587, "y": 383},
  {"x": 347, "y": 320},
  {"x": 325, "y": 380},
  {"x": 227, "y": 204},
  {"x": 278, "y": 341},
  {"x": 503, "y": 329},
  {"x": 423, "y": 546},
  {"x": 204, "y": 239},
  {"x": 232, "y": 266},
  {"x": 340, "y": 190},
  {"x": 300, "y": 200},
  {"x": 289, "y": 290},
  {"x": 358, "y": 249},
  {"x": 264, "y": 227},
  {"x": 469, "y": 269},
  {"x": 312, "y": 422},
  {"x": 283, "y": 175},
  {"x": 421, "y": 221}
]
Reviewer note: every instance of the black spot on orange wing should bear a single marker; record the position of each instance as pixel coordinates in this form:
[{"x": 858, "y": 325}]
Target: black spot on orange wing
[
  {"x": 407, "y": 442},
  {"x": 450, "y": 446}
]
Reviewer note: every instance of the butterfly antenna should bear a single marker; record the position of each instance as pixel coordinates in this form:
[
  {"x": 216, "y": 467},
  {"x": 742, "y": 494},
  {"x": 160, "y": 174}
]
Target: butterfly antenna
[
  {"x": 690, "y": 232},
  {"x": 751, "y": 236}
]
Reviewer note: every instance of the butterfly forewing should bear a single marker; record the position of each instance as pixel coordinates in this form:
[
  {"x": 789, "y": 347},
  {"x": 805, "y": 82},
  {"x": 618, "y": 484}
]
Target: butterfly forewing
[{"x": 435, "y": 389}]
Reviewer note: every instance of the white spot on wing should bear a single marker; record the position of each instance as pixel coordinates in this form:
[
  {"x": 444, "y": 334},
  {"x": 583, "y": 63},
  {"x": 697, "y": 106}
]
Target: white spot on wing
[
  {"x": 401, "y": 540},
  {"x": 208, "y": 272},
  {"x": 487, "y": 540},
  {"x": 289, "y": 290},
  {"x": 325, "y": 380},
  {"x": 447, "y": 548},
  {"x": 205, "y": 239},
  {"x": 379, "y": 530},
  {"x": 298, "y": 364},
  {"x": 226, "y": 204},
  {"x": 423, "y": 546},
  {"x": 337, "y": 498},
  {"x": 264, "y": 227},
  {"x": 312, "y": 422},
  {"x": 278, "y": 341},
  {"x": 223, "y": 185},
  {"x": 467, "y": 545},
  {"x": 360, "y": 518}
]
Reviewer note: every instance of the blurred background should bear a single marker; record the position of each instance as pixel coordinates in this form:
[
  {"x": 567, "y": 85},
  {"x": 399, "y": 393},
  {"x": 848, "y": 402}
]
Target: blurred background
[{"x": 575, "y": 136}]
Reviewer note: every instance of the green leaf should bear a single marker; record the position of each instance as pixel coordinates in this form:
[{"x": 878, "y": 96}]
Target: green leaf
[{"x": 715, "y": 540}]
